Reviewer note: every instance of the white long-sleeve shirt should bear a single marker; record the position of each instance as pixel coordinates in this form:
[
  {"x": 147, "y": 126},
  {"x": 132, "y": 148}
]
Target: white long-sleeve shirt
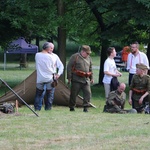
[
  {"x": 133, "y": 60},
  {"x": 46, "y": 66}
]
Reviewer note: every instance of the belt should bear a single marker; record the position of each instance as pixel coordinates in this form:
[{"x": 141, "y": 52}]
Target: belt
[
  {"x": 139, "y": 92},
  {"x": 82, "y": 74}
]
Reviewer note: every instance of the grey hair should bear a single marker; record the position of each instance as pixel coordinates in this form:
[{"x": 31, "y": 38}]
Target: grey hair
[{"x": 47, "y": 45}]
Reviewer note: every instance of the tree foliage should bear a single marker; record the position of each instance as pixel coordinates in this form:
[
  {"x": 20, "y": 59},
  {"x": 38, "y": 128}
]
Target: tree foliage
[
  {"x": 99, "y": 23},
  {"x": 26, "y": 18},
  {"x": 122, "y": 21},
  {"x": 87, "y": 21}
]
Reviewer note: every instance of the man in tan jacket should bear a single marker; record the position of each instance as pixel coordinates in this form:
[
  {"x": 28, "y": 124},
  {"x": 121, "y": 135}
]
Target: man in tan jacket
[{"x": 80, "y": 75}]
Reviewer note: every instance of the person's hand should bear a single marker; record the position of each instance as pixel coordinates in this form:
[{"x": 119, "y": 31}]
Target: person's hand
[
  {"x": 117, "y": 75},
  {"x": 120, "y": 74},
  {"x": 69, "y": 81},
  {"x": 130, "y": 101},
  {"x": 113, "y": 103},
  {"x": 92, "y": 81},
  {"x": 141, "y": 100},
  {"x": 57, "y": 76}
]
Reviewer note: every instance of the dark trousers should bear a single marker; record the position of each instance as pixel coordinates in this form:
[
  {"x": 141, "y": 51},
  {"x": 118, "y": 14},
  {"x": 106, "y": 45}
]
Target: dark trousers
[
  {"x": 140, "y": 107},
  {"x": 76, "y": 87},
  {"x": 130, "y": 78}
]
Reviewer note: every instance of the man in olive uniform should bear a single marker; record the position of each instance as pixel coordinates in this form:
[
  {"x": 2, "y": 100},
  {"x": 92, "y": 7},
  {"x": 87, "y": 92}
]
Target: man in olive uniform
[
  {"x": 79, "y": 74},
  {"x": 139, "y": 92},
  {"x": 116, "y": 101}
]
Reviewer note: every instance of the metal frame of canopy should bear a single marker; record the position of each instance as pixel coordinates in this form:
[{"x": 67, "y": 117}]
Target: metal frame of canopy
[{"x": 19, "y": 46}]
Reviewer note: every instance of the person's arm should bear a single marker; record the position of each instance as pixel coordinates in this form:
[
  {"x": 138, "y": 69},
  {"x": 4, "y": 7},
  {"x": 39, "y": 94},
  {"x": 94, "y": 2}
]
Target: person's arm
[
  {"x": 60, "y": 67},
  {"x": 119, "y": 73},
  {"x": 110, "y": 99},
  {"x": 142, "y": 97},
  {"x": 69, "y": 68},
  {"x": 112, "y": 74},
  {"x": 107, "y": 72},
  {"x": 123, "y": 99},
  {"x": 145, "y": 59},
  {"x": 91, "y": 70},
  {"x": 128, "y": 61},
  {"x": 130, "y": 97},
  {"x": 147, "y": 92}
]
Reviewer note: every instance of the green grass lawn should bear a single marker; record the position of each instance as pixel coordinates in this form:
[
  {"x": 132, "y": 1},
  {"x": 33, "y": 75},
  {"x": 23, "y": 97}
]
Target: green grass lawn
[{"x": 60, "y": 129}]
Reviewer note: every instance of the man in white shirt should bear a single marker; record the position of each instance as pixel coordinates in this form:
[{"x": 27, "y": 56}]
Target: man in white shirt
[
  {"x": 46, "y": 65},
  {"x": 135, "y": 57}
]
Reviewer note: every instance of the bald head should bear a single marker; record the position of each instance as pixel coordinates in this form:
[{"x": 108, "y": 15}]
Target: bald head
[{"x": 121, "y": 87}]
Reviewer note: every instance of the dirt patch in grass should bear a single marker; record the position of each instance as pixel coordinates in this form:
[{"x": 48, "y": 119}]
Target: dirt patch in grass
[{"x": 2, "y": 115}]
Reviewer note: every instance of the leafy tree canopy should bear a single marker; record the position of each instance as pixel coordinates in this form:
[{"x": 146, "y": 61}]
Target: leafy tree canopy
[
  {"x": 89, "y": 21},
  {"x": 26, "y": 18}
]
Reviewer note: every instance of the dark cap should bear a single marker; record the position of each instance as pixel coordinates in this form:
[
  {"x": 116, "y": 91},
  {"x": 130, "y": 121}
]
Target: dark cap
[
  {"x": 86, "y": 48},
  {"x": 141, "y": 66}
]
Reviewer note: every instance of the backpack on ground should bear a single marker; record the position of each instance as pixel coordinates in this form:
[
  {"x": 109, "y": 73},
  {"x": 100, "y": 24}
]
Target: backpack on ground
[
  {"x": 147, "y": 108},
  {"x": 7, "y": 108}
]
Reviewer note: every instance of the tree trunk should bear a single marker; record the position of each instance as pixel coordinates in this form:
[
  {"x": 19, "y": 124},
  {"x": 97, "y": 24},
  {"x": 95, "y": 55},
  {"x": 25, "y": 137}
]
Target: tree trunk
[
  {"x": 23, "y": 61},
  {"x": 104, "y": 42},
  {"x": 62, "y": 38},
  {"x": 37, "y": 42},
  {"x": 105, "y": 45}
]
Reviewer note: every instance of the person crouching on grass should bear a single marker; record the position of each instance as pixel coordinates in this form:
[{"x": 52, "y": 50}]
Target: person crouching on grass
[
  {"x": 139, "y": 92},
  {"x": 116, "y": 101}
]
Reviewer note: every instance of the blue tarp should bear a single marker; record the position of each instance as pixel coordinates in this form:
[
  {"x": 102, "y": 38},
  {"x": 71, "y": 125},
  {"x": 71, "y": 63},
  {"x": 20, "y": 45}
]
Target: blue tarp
[{"x": 20, "y": 46}]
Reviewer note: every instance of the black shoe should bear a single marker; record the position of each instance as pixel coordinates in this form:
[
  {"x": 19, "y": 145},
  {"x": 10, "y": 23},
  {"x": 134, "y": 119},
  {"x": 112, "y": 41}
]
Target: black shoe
[
  {"x": 72, "y": 109},
  {"x": 48, "y": 109},
  {"x": 85, "y": 109}
]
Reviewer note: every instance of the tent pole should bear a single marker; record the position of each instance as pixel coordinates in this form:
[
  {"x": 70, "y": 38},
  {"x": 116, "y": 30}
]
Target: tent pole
[
  {"x": 19, "y": 97},
  {"x": 4, "y": 60}
]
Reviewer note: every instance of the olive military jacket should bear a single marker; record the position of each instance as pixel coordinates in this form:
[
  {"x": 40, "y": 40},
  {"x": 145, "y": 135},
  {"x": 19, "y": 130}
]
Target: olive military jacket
[
  {"x": 81, "y": 64},
  {"x": 140, "y": 83},
  {"x": 115, "y": 101}
]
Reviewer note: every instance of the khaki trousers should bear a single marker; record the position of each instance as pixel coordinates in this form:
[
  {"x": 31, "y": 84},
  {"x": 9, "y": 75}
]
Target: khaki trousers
[{"x": 76, "y": 88}]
